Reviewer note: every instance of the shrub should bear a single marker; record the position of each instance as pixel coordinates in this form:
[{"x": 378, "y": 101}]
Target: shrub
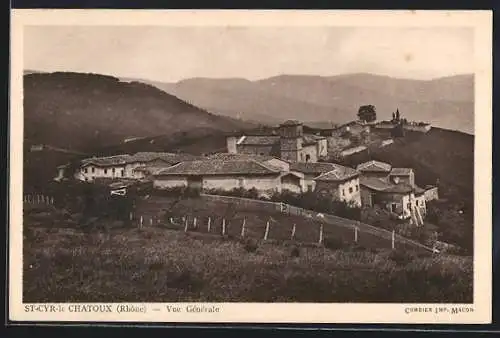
[
  {"x": 401, "y": 257},
  {"x": 250, "y": 245},
  {"x": 357, "y": 248},
  {"x": 333, "y": 243}
]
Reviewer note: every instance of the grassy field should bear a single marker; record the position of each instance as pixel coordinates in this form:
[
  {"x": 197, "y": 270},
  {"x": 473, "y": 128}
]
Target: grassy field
[
  {"x": 64, "y": 263},
  {"x": 256, "y": 216}
]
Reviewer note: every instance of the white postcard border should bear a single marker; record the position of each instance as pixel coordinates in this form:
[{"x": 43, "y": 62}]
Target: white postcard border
[{"x": 265, "y": 312}]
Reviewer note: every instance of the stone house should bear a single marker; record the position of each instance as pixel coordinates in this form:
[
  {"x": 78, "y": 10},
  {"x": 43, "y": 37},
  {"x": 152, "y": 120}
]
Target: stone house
[
  {"x": 290, "y": 144},
  {"x": 125, "y": 166},
  {"x": 394, "y": 189},
  {"x": 375, "y": 169},
  {"x": 342, "y": 183},
  {"x": 311, "y": 170},
  {"x": 403, "y": 200},
  {"x": 227, "y": 175}
]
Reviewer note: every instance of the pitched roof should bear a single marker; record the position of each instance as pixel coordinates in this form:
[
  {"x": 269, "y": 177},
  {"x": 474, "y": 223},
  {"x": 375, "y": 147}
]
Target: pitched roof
[
  {"x": 239, "y": 156},
  {"x": 401, "y": 171},
  {"x": 219, "y": 167},
  {"x": 382, "y": 185},
  {"x": 374, "y": 166},
  {"x": 259, "y": 140},
  {"x": 418, "y": 190},
  {"x": 316, "y": 168},
  {"x": 377, "y": 184},
  {"x": 340, "y": 173},
  {"x": 311, "y": 139},
  {"x": 122, "y": 159}
]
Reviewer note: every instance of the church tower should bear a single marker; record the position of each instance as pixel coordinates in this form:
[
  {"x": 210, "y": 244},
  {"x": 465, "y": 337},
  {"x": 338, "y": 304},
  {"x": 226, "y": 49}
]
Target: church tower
[{"x": 291, "y": 133}]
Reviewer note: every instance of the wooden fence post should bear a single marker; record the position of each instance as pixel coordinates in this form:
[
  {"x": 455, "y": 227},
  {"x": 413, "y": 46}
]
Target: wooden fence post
[
  {"x": 194, "y": 222},
  {"x": 151, "y": 221},
  {"x": 292, "y": 237},
  {"x": 393, "y": 238},
  {"x": 209, "y": 223},
  {"x": 52, "y": 200},
  {"x": 185, "y": 224},
  {"x": 131, "y": 216},
  {"x": 140, "y": 222},
  {"x": 243, "y": 228},
  {"x": 223, "y": 226},
  {"x": 355, "y": 234},
  {"x": 320, "y": 241},
  {"x": 266, "y": 234}
]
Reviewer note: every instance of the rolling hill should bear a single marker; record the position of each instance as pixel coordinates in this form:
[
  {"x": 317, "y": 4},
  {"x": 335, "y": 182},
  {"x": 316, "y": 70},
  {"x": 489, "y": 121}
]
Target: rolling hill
[
  {"x": 445, "y": 102},
  {"x": 89, "y": 111},
  {"x": 94, "y": 113}
]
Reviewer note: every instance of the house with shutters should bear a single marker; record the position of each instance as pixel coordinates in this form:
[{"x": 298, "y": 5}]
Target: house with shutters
[
  {"x": 342, "y": 183},
  {"x": 266, "y": 175},
  {"x": 125, "y": 166},
  {"x": 394, "y": 189}
]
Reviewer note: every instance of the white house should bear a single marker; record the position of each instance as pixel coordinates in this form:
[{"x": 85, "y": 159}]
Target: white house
[
  {"x": 125, "y": 165},
  {"x": 226, "y": 175},
  {"x": 342, "y": 183}
]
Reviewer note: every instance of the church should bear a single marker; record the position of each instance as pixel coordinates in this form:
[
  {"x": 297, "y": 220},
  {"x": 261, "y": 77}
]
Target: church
[{"x": 288, "y": 143}]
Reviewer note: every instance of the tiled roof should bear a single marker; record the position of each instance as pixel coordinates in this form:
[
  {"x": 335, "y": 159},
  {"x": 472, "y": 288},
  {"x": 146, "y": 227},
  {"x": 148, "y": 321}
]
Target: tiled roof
[
  {"x": 219, "y": 167},
  {"x": 260, "y": 140},
  {"x": 376, "y": 166},
  {"x": 151, "y": 170},
  {"x": 170, "y": 158},
  {"x": 340, "y": 173},
  {"x": 382, "y": 185},
  {"x": 400, "y": 188},
  {"x": 316, "y": 168},
  {"x": 401, "y": 171},
  {"x": 418, "y": 190},
  {"x": 228, "y": 157},
  {"x": 377, "y": 184},
  {"x": 311, "y": 139}
]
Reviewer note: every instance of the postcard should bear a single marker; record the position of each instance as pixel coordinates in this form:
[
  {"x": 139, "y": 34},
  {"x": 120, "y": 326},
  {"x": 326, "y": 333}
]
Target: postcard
[{"x": 250, "y": 166}]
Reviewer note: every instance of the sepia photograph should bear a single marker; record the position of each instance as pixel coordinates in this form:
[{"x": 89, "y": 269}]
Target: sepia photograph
[{"x": 203, "y": 162}]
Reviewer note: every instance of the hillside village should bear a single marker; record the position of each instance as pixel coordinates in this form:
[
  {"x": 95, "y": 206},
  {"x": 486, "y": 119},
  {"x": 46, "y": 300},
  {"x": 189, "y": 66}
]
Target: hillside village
[{"x": 287, "y": 159}]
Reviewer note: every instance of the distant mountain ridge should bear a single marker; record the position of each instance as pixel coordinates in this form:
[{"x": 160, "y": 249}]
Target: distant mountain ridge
[
  {"x": 88, "y": 111},
  {"x": 446, "y": 102}
]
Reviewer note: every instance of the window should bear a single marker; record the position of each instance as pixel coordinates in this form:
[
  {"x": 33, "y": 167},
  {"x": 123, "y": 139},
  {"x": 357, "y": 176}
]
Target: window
[
  {"x": 309, "y": 187},
  {"x": 261, "y": 154},
  {"x": 308, "y": 158},
  {"x": 416, "y": 202},
  {"x": 113, "y": 170},
  {"x": 409, "y": 206},
  {"x": 241, "y": 182},
  {"x": 357, "y": 187},
  {"x": 105, "y": 171},
  {"x": 93, "y": 170},
  {"x": 350, "y": 190},
  {"x": 85, "y": 170},
  {"x": 343, "y": 192},
  {"x": 121, "y": 172}
]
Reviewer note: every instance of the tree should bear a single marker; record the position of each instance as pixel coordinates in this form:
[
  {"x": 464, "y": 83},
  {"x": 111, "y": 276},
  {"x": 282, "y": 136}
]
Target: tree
[{"x": 367, "y": 113}]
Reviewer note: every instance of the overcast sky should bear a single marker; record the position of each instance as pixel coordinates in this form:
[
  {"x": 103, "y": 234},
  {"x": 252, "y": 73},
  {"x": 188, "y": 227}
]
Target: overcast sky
[{"x": 174, "y": 53}]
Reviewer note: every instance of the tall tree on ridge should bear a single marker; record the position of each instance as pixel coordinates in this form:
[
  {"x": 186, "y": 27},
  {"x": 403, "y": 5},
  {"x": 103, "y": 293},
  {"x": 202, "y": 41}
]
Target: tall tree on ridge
[{"x": 367, "y": 113}]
